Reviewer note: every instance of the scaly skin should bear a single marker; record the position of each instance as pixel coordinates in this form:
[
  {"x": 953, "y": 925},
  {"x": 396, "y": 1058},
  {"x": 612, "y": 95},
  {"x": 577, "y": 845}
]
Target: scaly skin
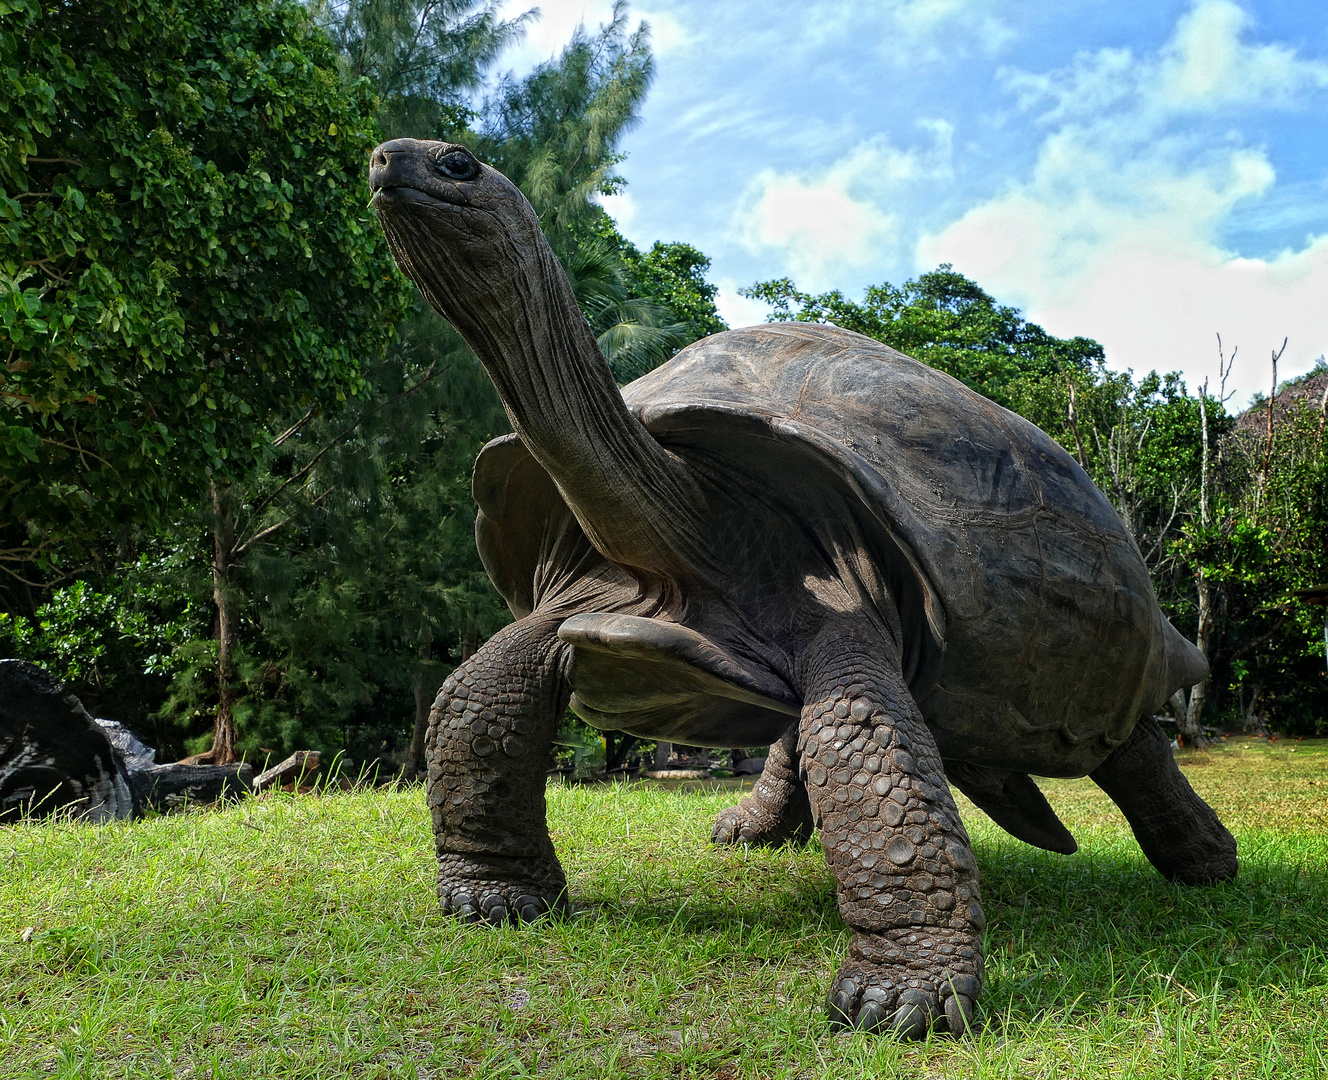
[
  {"x": 777, "y": 811},
  {"x": 908, "y": 882},
  {"x": 490, "y": 732}
]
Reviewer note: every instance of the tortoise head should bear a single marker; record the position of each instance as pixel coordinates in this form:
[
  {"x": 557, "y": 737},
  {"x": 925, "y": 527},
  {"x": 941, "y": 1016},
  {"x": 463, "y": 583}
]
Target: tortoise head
[{"x": 459, "y": 229}]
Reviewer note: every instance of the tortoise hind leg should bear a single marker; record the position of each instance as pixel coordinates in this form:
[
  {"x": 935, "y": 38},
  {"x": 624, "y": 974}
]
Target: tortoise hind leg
[
  {"x": 777, "y": 811},
  {"x": 1178, "y": 831},
  {"x": 1014, "y": 802}
]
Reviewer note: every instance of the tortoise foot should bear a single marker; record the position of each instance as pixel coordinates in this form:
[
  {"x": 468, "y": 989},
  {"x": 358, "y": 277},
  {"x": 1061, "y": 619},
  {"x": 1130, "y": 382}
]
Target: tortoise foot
[
  {"x": 750, "y": 823},
  {"x": 908, "y": 983},
  {"x": 501, "y": 890}
]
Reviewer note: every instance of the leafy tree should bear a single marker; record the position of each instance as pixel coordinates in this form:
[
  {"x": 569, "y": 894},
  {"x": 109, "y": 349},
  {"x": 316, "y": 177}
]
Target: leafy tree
[
  {"x": 945, "y": 320},
  {"x": 185, "y": 254},
  {"x": 356, "y": 582},
  {"x": 555, "y": 133},
  {"x": 1265, "y": 536},
  {"x": 425, "y": 59},
  {"x": 121, "y": 647},
  {"x": 674, "y": 275},
  {"x": 635, "y": 331},
  {"x": 341, "y": 563}
]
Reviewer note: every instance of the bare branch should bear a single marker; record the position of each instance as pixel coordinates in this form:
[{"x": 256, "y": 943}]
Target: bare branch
[
  {"x": 1074, "y": 425},
  {"x": 82, "y": 453},
  {"x": 1249, "y": 646},
  {"x": 340, "y": 437},
  {"x": 1272, "y": 399},
  {"x": 295, "y": 427},
  {"x": 1224, "y": 367},
  {"x": 259, "y": 537}
]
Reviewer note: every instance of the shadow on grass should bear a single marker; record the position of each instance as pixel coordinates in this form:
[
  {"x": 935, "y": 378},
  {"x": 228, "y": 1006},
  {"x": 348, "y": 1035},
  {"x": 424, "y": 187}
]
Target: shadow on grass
[{"x": 1063, "y": 933}]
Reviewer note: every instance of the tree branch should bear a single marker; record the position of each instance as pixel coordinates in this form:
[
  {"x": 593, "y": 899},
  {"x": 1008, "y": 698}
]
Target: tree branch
[
  {"x": 341, "y": 436},
  {"x": 1250, "y": 646}
]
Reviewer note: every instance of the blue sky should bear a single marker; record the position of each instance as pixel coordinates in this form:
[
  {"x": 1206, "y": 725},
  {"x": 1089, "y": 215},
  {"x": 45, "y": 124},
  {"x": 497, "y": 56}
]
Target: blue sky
[{"x": 1147, "y": 174}]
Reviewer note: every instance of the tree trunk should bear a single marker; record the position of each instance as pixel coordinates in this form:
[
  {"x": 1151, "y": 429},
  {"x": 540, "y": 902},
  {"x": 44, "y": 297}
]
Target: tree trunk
[
  {"x": 420, "y": 683},
  {"x": 1254, "y": 720},
  {"x": 663, "y": 751},
  {"x": 1191, "y": 721},
  {"x": 617, "y": 745},
  {"x": 223, "y": 575}
]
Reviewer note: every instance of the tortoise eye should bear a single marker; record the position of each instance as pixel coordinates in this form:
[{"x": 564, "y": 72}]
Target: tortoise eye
[{"x": 459, "y": 165}]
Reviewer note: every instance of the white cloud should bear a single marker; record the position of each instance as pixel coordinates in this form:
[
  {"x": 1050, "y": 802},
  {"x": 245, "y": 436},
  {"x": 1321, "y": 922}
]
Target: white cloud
[
  {"x": 558, "y": 19},
  {"x": 667, "y": 33},
  {"x": 824, "y": 221},
  {"x": 1115, "y": 233},
  {"x": 940, "y": 21},
  {"x": 1206, "y": 66},
  {"x": 738, "y": 311}
]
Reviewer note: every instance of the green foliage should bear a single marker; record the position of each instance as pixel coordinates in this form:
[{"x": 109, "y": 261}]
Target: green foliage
[
  {"x": 674, "y": 274},
  {"x": 372, "y": 573},
  {"x": 945, "y": 320},
  {"x": 555, "y": 133},
  {"x": 185, "y": 252},
  {"x": 347, "y": 457},
  {"x": 122, "y": 647},
  {"x": 423, "y": 58},
  {"x": 635, "y": 331},
  {"x": 1267, "y": 536}
]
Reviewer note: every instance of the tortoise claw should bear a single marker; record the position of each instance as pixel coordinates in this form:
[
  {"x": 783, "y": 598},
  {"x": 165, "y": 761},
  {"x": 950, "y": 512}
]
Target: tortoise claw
[{"x": 501, "y": 892}]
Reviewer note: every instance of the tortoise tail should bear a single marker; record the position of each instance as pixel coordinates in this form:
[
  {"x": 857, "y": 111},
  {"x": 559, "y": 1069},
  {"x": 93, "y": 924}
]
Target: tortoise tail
[{"x": 1013, "y": 801}]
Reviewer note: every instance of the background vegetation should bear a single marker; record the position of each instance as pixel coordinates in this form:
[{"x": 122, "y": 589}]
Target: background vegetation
[{"x": 234, "y": 471}]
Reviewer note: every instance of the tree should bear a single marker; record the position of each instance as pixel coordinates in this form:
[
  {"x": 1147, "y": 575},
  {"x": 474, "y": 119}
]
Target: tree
[
  {"x": 424, "y": 58},
  {"x": 343, "y": 558},
  {"x": 187, "y": 258},
  {"x": 943, "y": 319},
  {"x": 1263, "y": 536},
  {"x": 356, "y": 579},
  {"x": 674, "y": 274}
]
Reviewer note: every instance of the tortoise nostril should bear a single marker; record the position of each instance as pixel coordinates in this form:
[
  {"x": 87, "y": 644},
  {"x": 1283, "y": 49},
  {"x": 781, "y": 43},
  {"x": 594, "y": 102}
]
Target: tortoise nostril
[{"x": 383, "y": 151}]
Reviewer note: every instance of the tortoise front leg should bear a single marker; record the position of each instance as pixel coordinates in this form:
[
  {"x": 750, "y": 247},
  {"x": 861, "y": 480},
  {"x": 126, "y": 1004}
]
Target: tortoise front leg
[
  {"x": 908, "y": 883},
  {"x": 490, "y": 732}
]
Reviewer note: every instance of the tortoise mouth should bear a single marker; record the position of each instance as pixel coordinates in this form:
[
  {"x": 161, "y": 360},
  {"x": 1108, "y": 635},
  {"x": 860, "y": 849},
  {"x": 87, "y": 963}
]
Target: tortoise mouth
[{"x": 400, "y": 195}]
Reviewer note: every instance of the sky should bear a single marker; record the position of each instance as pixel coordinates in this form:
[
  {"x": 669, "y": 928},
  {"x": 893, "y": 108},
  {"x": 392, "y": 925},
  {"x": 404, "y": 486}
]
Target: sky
[{"x": 1148, "y": 174}]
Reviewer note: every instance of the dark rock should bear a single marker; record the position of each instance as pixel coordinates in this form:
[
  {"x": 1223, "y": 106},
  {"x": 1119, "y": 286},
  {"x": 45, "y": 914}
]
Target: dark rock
[
  {"x": 750, "y": 766},
  {"x": 53, "y": 755},
  {"x": 135, "y": 753}
]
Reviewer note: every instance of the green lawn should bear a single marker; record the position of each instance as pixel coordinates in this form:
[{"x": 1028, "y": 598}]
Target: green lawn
[{"x": 298, "y": 936}]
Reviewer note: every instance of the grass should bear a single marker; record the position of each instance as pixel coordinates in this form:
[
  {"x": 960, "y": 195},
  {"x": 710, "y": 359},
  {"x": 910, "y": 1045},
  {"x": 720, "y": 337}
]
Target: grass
[{"x": 298, "y": 936}]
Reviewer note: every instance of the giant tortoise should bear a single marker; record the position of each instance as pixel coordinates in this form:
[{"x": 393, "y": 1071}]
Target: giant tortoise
[{"x": 789, "y": 535}]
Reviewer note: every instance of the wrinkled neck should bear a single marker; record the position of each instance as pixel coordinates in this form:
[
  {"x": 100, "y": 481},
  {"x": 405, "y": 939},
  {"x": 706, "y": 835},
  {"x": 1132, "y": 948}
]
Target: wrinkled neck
[{"x": 636, "y": 501}]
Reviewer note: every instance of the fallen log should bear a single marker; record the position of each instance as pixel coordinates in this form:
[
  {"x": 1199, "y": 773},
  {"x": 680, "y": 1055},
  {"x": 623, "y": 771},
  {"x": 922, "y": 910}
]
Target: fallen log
[
  {"x": 168, "y": 787},
  {"x": 293, "y": 769}
]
